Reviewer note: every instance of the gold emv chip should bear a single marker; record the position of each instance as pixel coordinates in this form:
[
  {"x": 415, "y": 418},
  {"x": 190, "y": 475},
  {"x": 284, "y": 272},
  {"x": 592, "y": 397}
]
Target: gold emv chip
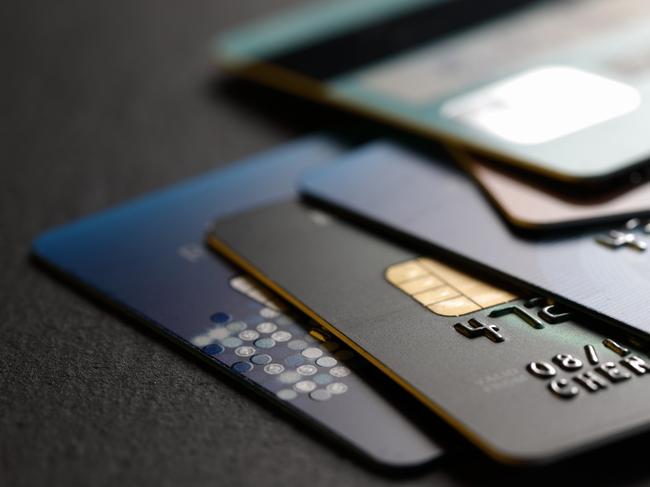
[{"x": 444, "y": 290}]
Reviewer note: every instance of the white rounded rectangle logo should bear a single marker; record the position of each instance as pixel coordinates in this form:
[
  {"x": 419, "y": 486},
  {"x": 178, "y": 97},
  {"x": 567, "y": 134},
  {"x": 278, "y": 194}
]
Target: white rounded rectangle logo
[{"x": 543, "y": 104}]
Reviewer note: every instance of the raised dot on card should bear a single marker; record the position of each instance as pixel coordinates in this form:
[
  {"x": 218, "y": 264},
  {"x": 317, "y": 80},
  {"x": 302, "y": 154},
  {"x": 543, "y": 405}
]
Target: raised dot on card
[
  {"x": 281, "y": 336},
  {"x": 231, "y": 342},
  {"x": 320, "y": 395},
  {"x": 312, "y": 352},
  {"x": 340, "y": 371},
  {"x": 265, "y": 343},
  {"x": 323, "y": 379},
  {"x": 220, "y": 318},
  {"x": 261, "y": 359},
  {"x": 267, "y": 327},
  {"x": 326, "y": 362},
  {"x": 219, "y": 333},
  {"x": 284, "y": 320},
  {"x": 213, "y": 349},
  {"x": 274, "y": 369},
  {"x": 297, "y": 344},
  {"x": 249, "y": 335},
  {"x": 307, "y": 369},
  {"x": 289, "y": 377},
  {"x": 245, "y": 351},
  {"x": 202, "y": 340},
  {"x": 237, "y": 326},
  {"x": 304, "y": 386},
  {"x": 242, "y": 367},
  {"x": 294, "y": 360},
  {"x": 269, "y": 313},
  {"x": 337, "y": 388}
]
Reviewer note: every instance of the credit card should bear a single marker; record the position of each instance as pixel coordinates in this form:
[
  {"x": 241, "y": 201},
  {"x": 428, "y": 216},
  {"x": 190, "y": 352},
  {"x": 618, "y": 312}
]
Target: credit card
[
  {"x": 605, "y": 273},
  {"x": 528, "y": 203},
  {"x": 559, "y": 87},
  {"x": 147, "y": 258},
  {"x": 522, "y": 378}
]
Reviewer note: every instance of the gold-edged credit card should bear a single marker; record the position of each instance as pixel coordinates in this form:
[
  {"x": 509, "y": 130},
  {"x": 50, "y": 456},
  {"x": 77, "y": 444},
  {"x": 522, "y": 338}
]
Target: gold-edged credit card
[{"x": 523, "y": 378}]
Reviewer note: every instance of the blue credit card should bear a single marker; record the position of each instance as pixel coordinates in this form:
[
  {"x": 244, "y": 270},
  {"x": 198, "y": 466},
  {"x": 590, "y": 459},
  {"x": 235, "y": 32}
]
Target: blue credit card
[
  {"x": 146, "y": 257},
  {"x": 602, "y": 272}
]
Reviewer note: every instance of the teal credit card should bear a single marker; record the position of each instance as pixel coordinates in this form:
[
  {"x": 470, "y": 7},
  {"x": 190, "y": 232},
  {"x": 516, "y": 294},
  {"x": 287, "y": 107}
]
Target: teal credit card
[{"x": 555, "y": 86}]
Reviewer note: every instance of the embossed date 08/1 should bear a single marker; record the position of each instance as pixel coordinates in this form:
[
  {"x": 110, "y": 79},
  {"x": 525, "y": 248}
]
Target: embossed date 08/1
[{"x": 594, "y": 380}]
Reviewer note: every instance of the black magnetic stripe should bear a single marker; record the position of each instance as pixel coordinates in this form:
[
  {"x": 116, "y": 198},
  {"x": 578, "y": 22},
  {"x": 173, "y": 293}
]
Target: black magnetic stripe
[{"x": 331, "y": 57}]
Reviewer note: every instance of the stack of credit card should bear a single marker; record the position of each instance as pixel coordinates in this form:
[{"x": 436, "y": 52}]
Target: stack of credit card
[{"x": 405, "y": 301}]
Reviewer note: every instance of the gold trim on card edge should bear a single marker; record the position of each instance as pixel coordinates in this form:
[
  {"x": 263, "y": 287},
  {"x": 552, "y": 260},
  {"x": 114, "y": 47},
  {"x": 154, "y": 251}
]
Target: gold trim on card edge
[
  {"x": 295, "y": 83},
  {"x": 225, "y": 250}
]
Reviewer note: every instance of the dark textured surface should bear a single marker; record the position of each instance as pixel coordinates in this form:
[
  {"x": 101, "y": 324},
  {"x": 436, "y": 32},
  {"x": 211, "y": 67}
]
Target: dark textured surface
[{"x": 100, "y": 102}]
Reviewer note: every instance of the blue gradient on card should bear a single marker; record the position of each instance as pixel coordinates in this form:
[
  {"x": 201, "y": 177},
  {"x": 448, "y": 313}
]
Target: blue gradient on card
[{"x": 148, "y": 254}]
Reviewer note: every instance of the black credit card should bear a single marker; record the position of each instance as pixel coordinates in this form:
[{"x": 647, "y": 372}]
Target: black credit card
[{"x": 522, "y": 378}]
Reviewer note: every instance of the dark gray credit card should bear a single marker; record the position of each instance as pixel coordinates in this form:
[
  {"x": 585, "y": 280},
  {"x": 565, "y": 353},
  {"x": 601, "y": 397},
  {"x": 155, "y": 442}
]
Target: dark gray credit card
[{"x": 521, "y": 378}]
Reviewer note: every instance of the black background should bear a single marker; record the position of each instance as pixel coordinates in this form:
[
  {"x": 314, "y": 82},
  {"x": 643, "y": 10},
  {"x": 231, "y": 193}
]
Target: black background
[{"x": 99, "y": 102}]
